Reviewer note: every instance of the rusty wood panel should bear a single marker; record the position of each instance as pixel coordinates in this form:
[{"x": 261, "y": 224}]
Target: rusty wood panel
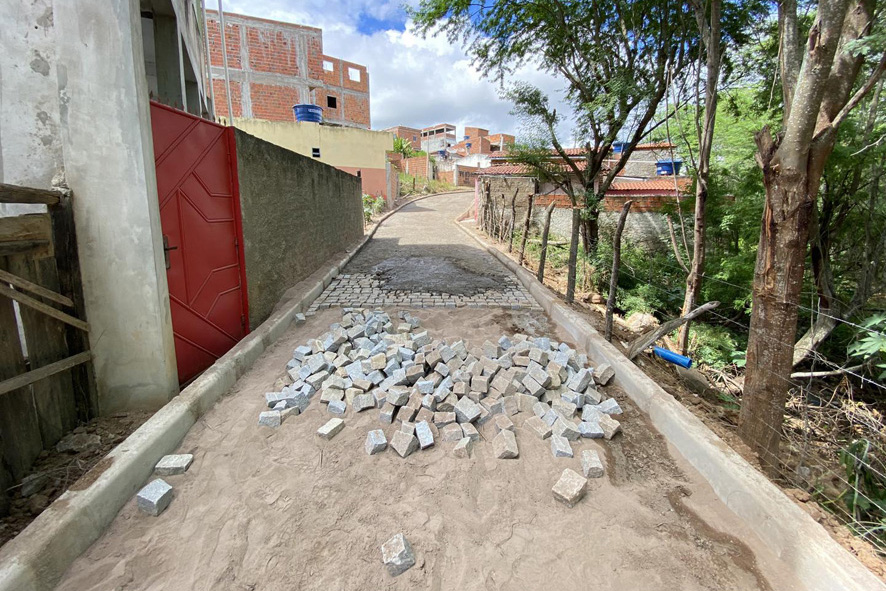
[
  {"x": 20, "y": 440},
  {"x": 41, "y": 307},
  {"x": 67, "y": 263},
  {"x": 46, "y": 344},
  {"x": 39, "y": 290},
  {"x": 29, "y": 233},
  {"x": 16, "y": 194}
]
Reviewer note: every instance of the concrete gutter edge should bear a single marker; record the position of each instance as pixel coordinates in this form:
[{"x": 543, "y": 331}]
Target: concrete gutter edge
[
  {"x": 812, "y": 556},
  {"x": 38, "y": 557}
]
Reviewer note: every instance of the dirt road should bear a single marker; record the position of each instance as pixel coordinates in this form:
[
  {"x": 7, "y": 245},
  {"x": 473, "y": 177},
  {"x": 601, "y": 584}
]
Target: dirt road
[{"x": 281, "y": 509}]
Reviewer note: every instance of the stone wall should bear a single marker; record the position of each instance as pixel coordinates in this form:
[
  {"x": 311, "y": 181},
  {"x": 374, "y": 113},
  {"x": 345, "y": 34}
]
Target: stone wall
[{"x": 294, "y": 220}]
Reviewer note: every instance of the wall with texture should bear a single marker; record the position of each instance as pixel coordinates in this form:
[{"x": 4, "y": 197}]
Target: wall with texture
[{"x": 294, "y": 220}]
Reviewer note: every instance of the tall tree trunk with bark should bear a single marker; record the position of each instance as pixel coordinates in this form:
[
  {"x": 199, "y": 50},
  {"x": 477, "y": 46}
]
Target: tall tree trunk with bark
[
  {"x": 709, "y": 27},
  {"x": 817, "y": 99},
  {"x": 573, "y": 254}
]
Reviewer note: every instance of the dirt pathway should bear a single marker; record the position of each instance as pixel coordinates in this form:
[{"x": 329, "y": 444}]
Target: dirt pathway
[{"x": 281, "y": 509}]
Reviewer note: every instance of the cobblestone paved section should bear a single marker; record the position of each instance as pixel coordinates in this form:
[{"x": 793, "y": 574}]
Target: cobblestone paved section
[{"x": 419, "y": 259}]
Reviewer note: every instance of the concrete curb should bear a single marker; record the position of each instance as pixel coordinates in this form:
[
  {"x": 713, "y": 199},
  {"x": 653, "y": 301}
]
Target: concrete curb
[
  {"x": 814, "y": 558},
  {"x": 38, "y": 557}
]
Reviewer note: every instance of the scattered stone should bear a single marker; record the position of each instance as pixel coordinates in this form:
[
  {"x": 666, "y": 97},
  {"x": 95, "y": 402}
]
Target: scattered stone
[
  {"x": 376, "y": 442},
  {"x": 504, "y": 445},
  {"x": 425, "y": 435},
  {"x": 610, "y": 426},
  {"x": 173, "y": 464},
  {"x": 591, "y": 465},
  {"x": 566, "y": 429},
  {"x": 463, "y": 448},
  {"x": 570, "y": 488},
  {"x": 590, "y": 429},
  {"x": 337, "y": 407},
  {"x": 364, "y": 402},
  {"x": 466, "y": 410},
  {"x": 441, "y": 419},
  {"x": 560, "y": 447},
  {"x": 538, "y": 426},
  {"x": 406, "y": 413},
  {"x": 331, "y": 428},
  {"x": 580, "y": 380},
  {"x": 78, "y": 442},
  {"x": 404, "y": 443},
  {"x": 452, "y": 432},
  {"x": 603, "y": 373},
  {"x": 270, "y": 418},
  {"x": 155, "y": 497},
  {"x": 470, "y": 431},
  {"x": 503, "y": 423},
  {"x": 397, "y": 555},
  {"x": 388, "y": 411},
  {"x": 609, "y": 406}
]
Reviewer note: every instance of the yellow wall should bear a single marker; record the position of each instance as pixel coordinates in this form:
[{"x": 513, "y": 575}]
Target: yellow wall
[{"x": 339, "y": 146}]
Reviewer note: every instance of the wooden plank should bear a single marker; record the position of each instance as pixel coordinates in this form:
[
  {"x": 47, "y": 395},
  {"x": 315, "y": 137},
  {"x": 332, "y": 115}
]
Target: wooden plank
[
  {"x": 67, "y": 264},
  {"x": 17, "y": 194},
  {"x": 650, "y": 337},
  {"x": 35, "y": 289},
  {"x": 41, "y": 307},
  {"x": 45, "y": 344},
  {"x": 20, "y": 441},
  {"x": 41, "y": 373},
  {"x": 26, "y": 233}
]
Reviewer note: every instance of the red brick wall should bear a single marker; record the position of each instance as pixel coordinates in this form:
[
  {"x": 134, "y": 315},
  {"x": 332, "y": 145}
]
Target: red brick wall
[
  {"x": 232, "y": 44},
  {"x": 475, "y": 132},
  {"x": 641, "y": 202},
  {"x": 271, "y": 51},
  {"x": 416, "y": 166},
  {"x": 273, "y": 103},
  {"x": 221, "y": 100},
  {"x": 356, "y": 109}
]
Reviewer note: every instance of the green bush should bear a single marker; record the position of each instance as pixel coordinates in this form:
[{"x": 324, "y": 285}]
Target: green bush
[{"x": 372, "y": 205}]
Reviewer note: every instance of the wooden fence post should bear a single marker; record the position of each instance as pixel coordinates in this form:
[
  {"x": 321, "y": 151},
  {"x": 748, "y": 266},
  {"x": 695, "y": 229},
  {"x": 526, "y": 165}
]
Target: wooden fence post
[
  {"x": 540, "y": 274},
  {"x": 616, "y": 263},
  {"x": 525, "y": 230}
]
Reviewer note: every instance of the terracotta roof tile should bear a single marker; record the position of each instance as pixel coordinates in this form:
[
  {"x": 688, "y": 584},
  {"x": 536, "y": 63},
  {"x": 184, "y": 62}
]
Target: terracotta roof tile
[{"x": 659, "y": 184}]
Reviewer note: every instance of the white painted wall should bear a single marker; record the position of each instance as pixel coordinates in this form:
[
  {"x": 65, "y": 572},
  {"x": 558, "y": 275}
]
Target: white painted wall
[{"x": 74, "y": 103}]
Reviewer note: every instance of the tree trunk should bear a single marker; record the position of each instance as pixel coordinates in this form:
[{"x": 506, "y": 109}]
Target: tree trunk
[
  {"x": 540, "y": 274},
  {"x": 616, "y": 263},
  {"x": 513, "y": 221},
  {"x": 778, "y": 281},
  {"x": 525, "y": 230},
  {"x": 709, "y": 27},
  {"x": 573, "y": 255}
]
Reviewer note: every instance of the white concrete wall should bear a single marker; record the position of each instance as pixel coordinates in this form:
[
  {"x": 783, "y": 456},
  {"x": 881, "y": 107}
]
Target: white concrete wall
[{"x": 74, "y": 101}]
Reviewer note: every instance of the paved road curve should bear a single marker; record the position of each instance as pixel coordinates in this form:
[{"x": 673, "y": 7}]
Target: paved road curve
[{"x": 418, "y": 257}]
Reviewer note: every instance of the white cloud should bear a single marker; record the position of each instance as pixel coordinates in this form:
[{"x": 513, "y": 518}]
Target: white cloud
[{"x": 414, "y": 81}]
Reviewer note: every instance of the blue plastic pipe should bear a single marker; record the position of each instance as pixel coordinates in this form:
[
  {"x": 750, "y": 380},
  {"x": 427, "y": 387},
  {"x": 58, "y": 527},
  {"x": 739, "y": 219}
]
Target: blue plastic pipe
[{"x": 672, "y": 357}]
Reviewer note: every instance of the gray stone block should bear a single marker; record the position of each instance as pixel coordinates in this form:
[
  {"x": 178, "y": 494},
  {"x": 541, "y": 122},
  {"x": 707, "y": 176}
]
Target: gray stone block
[
  {"x": 591, "y": 413},
  {"x": 337, "y": 407},
  {"x": 533, "y": 388},
  {"x": 560, "y": 447},
  {"x": 404, "y": 443},
  {"x": 603, "y": 374},
  {"x": 397, "y": 555},
  {"x": 470, "y": 431},
  {"x": 591, "y": 465},
  {"x": 466, "y": 410},
  {"x": 441, "y": 419},
  {"x": 538, "y": 426},
  {"x": 609, "y": 406},
  {"x": 504, "y": 445},
  {"x": 540, "y": 409},
  {"x": 425, "y": 434},
  {"x": 331, "y": 428},
  {"x": 407, "y": 427},
  {"x": 407, "y": 413},
  {"x": 388, "y": 411},
  {"x": 376, "y": 442},
  {"x": 580, "y": 380},
  {"x": 270, "y": 418},
  {"x": 590, "y": 429},
  {"x": 173, "y": 464},
  {"x": 397, "y": 395},
  {"x": 567, "y": 429},
  {"x": 463, "y": 448},
  {"x": 609, "y": 425},
  {"x": 154, "y": 497},
  {"x": 364, "y": 402},
  {"x": 570, "y": 488},
  {"x": 451, "y": 432},
  {"x": 480, "y": 384},
  {"x": 550, "y": 417},
  {"x": 503, "y": 423}
]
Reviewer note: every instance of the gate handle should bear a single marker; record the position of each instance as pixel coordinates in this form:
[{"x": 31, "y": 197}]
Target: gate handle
[{"x": 166, "y": 249}]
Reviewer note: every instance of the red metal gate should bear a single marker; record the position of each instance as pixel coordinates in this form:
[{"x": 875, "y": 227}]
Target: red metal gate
[{"x": 202, "y": 236}]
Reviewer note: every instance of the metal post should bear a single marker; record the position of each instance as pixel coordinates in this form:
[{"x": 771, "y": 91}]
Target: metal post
[
  {"x": 208, "y": 61},
  {"x": 224, "y": 49}
]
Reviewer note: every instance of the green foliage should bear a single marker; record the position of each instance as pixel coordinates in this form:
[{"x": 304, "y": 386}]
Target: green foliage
[
  {"x": 404, "y": 147},
  {"x": 866, "y": 497},
  {"x": 712, "y": 345},
  {"x": 870, "y": 344},
  {"x": 372, "y": 205},
  {"x": 422, "y": 185}
]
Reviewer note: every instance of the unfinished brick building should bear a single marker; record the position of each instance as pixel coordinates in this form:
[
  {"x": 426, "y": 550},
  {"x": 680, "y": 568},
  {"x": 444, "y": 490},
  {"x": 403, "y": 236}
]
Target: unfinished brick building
[{"x": 274, "y": 65}]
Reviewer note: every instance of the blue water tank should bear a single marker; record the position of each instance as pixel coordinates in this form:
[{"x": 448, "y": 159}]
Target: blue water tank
[
  {"x": 668, "y": 167},
  {"x": 311, "y": 113},
  {"x": 618, "y": 147}
]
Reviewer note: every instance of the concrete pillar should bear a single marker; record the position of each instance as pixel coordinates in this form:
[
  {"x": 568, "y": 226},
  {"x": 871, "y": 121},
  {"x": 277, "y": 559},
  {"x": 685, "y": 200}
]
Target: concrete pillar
[
  {"x": 166, "y": 55},
  {"x": 109, "y": 164}
]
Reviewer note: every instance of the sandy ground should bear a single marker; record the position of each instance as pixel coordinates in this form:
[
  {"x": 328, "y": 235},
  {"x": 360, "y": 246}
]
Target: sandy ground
[{"x": 263, "y": 509}]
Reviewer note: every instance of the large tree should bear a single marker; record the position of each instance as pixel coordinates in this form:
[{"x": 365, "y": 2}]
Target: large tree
[
  {"x": 616, "y": 59},
  {"x": 819, "y": 90}
]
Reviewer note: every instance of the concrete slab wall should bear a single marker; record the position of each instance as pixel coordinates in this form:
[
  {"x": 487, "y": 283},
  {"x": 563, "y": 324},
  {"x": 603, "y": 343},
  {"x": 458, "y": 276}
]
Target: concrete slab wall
[
  {"x": 74, "y": 108},
  {"x": 294, "y": 220}
]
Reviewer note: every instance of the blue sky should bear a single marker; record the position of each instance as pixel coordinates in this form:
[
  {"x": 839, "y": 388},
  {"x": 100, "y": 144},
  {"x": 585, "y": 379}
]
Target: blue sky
[{"x": 413, "y": 81}]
